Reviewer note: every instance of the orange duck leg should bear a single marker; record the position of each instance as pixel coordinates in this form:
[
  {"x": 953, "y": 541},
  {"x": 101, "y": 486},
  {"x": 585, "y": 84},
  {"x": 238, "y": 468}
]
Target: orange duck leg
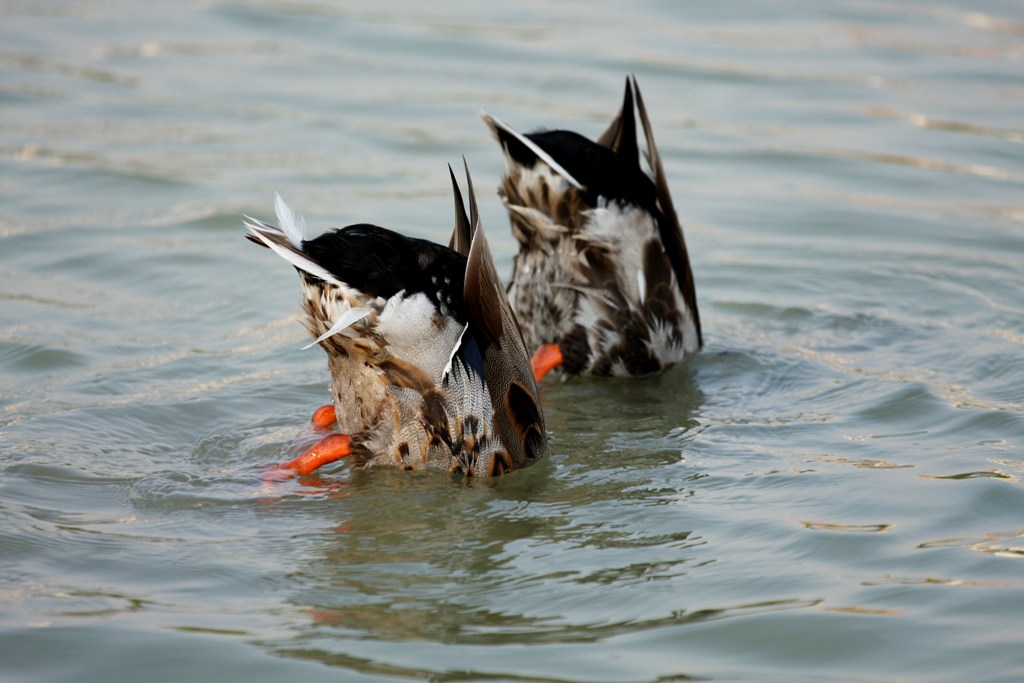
[
  {"x": 326, "y": 450},
  {"x": 545, "y": 359},
  {"x": 324, "y": 418}
]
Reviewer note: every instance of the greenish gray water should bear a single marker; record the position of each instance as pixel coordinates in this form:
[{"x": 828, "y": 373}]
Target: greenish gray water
[{"x": 831, "y": 491}]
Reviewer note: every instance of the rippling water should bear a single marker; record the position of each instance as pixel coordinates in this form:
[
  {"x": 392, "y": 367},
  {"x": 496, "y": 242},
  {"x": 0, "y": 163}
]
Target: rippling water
[{"x": 830, "y": 491}]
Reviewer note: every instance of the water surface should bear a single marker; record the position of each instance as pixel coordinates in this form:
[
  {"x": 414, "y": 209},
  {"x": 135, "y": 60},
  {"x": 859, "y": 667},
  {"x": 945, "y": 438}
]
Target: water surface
[{"x": 830, "y": 491}]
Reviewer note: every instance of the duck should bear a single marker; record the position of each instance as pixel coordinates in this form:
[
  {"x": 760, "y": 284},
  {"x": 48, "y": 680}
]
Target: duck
[
  {"x": 602, "y": 282},
  {"x": 428, "y": 367}
]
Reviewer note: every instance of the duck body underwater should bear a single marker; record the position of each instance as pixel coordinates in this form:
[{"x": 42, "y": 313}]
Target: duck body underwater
[
  {"x": 602, "y": 283},
  {"x": 428, "y": 367}
]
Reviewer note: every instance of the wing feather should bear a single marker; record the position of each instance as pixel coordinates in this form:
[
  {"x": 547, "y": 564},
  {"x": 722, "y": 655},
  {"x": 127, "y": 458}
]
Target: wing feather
[
  {"x": 518, "y": 418},
  {"x": 621, "y": 134},
  {"x": 669, "y": 227}
]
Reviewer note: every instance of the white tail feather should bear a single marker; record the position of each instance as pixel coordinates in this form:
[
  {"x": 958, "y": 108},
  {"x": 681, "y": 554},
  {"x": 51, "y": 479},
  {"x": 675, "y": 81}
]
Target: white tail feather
[
  {"x": 293, "y": 225},
  {"x": 348, "y": 318},
  {"x": 532, "y": 146},
  {"x": 292, "y": 253}
]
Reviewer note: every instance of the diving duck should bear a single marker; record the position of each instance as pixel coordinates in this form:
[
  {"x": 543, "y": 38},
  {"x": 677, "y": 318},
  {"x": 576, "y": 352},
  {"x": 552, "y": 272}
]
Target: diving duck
[
  {"x": 428, "y": 367},
  {"x": 602, "y": 283}
]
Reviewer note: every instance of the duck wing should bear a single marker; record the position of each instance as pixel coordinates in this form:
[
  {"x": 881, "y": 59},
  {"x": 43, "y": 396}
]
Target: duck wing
[
  {"x": 462, "y": 234},
  {"x": 518, "y": 419},
  {"x": 668, "y": 222},
  {"x": 621, "y": 134}
]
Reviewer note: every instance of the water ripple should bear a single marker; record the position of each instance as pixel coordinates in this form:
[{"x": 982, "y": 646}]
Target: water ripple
[
  {"x": 1008, "y": 544},
  {"x": 831, "y": 490}
]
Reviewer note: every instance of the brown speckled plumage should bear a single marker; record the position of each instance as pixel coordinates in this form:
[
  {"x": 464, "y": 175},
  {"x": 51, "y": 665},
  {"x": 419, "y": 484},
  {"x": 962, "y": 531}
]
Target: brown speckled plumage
[
  {"x": 428, "y": 367},
  {"x": 602, "y": 269}
]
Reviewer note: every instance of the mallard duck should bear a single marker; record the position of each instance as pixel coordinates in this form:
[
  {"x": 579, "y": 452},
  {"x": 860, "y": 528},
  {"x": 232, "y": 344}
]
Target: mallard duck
[
  {"x": 602, "y": 282},
  {"x": 428, "y": 367}
]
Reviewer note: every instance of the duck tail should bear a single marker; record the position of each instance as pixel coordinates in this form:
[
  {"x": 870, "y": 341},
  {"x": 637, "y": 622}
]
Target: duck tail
[
  {"x": 524, "y": 150},
  {"x": 288, "y": 241}
]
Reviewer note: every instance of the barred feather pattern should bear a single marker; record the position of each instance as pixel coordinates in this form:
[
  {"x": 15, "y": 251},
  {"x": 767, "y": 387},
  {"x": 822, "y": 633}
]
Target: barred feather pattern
[
  {"x": 410, "y": 415},
  {"x": 446, "y": 428}
]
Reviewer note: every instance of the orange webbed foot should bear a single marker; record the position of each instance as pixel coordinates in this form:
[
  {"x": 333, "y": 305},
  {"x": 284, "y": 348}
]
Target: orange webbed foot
[
  {"x": 545, "y": 359},
  {"x": 326, "y": 450},
  {"x": 324, "y": 418}
]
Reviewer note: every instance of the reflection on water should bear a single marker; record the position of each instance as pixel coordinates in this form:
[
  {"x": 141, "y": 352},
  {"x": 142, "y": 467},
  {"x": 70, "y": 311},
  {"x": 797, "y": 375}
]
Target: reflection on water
[{"x": 831, "y": 490}]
